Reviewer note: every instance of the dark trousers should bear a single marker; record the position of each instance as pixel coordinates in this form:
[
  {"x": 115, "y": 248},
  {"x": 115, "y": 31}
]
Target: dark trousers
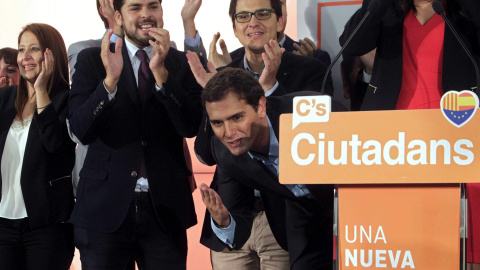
[
  {"x": 140, "y": 237},
  {"x": 44, "y": 248}
]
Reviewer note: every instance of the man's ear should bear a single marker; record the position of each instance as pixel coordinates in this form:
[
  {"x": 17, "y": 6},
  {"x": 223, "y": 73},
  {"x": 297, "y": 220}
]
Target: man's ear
[
  {"x": 118, "y": 17},
  {"x": 262, "y": 107},
  {"x": 235, "y": 29},
  {"x": 280, "y": 23}
]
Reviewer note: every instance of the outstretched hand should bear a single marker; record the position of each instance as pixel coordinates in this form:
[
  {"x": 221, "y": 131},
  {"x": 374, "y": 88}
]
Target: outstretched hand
[
  {"x": 189, "y": 11},
  {"x": 215, "y": 206},
  {"x": 107, "y": 9},
  {"x": 272, "y": 58},
  {"x": 306, "y": 47},
  {"x": 113, "y": 62},
  {"x": 160, "y": 46},
  {"x": 198, "y": 70},
  {"x": 219, "y": 60}
]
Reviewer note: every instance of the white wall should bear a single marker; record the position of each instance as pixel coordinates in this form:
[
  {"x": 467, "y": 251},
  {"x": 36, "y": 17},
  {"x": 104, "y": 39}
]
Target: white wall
[
  {"x": 334, "y": 19},
  {"x": 78, "y": 20}
]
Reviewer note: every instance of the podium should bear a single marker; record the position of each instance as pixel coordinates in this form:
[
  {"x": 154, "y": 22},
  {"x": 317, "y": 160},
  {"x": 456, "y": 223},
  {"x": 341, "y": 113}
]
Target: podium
[{"x": 398, "y": 175}]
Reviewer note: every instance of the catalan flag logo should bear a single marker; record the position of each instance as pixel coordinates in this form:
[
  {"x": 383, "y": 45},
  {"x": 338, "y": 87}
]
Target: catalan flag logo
[{"x": 459, "y": 107}]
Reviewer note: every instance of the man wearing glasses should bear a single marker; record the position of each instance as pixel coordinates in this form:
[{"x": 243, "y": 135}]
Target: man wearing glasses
[
  {"x": 305, "y": 47},
  {"x": 257, "y": 25}
]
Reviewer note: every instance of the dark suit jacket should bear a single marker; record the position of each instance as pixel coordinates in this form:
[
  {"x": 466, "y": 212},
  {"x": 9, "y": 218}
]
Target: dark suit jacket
[
  {"x": 302, "y": 226},
  {"x": 119, "y": 132},
  {"x": 318, "y": 54},
  {"x": 48, "y": 161},
  {"x": 384, "y": 30},
  {"x": 297, "y": 73}
]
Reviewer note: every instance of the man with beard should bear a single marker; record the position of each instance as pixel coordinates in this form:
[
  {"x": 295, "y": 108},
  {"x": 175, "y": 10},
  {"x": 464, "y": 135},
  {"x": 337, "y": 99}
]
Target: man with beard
[{"x": 133, "y": 102}]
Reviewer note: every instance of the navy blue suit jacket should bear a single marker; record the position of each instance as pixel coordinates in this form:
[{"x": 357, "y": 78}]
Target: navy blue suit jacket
[
  {"x": 321, "y": 55},
  {"x": 122, "y": 131}
]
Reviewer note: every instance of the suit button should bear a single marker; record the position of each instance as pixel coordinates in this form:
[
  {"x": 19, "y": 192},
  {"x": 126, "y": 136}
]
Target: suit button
[
  {"x": 102, "y": 102},
  {"x": 144, "y": 143},
  {"x": 134, "y": 174}
]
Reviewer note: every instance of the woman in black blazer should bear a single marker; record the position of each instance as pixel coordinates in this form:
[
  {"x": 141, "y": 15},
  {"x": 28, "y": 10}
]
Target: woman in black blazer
[
  {"x": 384, "y": 29},
  {"x": 37, "y": 157}
]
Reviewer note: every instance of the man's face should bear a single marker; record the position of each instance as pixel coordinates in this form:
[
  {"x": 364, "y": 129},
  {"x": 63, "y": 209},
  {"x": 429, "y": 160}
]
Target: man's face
[
  {"x": 137, "y": 17},
  {"x": 237, "y": 124},
  {"x": 256, "y": 33}
]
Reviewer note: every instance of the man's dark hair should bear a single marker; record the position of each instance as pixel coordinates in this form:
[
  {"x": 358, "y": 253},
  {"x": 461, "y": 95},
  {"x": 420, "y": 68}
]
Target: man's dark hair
[
  {"x": 104, "y": 20},
  {"x": 235, "y": 80},
  {"x": 9, "y": 56},
  {"x": 276, "y": 5},
  {"x": 118, "y": 4}
]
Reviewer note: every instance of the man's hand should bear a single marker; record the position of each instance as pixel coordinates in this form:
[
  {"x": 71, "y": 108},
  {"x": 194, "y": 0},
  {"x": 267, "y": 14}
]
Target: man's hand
[
  {"x": 3, "y": 82},
  {"x": 219, "y": 60},
  {"x": 367, "y": 60},
  {"x": 106, "y": 6},
  {"x": 306, "y": 48},
  {"x": 198, "y": 70},
  {"x": 161, "y": 46},
  {"x": 272, "y": 58},
  {"x": 189, "y": 11},
  {"x": 214, "y": 205},
  {"x": 113, "y": 62}
]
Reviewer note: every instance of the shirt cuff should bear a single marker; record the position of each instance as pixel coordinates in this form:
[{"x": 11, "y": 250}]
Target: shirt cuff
[
  {"x": 269, "y": 92},
  {"x": 160, "y": 89},
  {"x": 110, "y": 96},
  {"x": 365, "y": 77},
  {"x": 227, "y": 234},
  {"x": 192, "y": 42}
]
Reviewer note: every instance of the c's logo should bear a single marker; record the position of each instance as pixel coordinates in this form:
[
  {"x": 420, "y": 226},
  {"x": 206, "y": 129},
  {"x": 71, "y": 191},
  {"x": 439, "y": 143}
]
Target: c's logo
[
  {"x": 459, "y": 107},
  {"x": 311, "y": 109}
]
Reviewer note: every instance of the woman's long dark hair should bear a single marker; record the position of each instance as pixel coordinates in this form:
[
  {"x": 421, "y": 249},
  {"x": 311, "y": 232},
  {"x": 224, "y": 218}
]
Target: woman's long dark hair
[{"x": 50, "y": 38}]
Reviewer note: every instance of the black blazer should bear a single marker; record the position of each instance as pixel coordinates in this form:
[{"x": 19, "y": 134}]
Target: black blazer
[
  {"x": 318, "y": 54},
  {"x": 297, "y": 73},
  {"x": 119, "y": 132},
  {"x": 48, "y": 161},
  {"x": 384, "y": 30},
  {"x": 304, "y": 227}
]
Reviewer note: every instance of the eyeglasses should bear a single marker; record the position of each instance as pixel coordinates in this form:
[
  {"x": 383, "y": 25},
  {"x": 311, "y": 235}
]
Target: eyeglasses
[{"x": 261, "y": 14}]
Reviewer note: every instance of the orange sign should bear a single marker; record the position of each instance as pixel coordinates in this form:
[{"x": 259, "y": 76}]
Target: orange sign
[
  {"x": 399, "y": 227},
  {"x": 412, "y": 146}
]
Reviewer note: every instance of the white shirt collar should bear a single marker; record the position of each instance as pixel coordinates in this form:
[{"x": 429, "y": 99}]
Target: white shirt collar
[{"x": 132, "y": 49}]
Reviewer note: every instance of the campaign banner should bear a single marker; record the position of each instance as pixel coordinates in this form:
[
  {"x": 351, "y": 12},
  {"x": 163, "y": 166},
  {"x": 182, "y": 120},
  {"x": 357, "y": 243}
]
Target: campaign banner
[
  {"x": 399, "y": 227},
  {"x": 378, "y": 147},
  {"x": 405, "y": 214}
]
